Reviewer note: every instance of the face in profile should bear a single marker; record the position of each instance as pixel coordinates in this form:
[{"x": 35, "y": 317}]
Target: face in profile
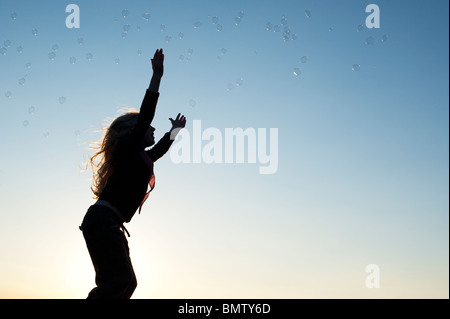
[{"x": 149, "y": 138}]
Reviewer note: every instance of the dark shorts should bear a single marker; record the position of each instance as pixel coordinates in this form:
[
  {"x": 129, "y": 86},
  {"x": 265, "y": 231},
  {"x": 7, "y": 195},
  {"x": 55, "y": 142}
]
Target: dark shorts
[{"x": 110, "y": 254}]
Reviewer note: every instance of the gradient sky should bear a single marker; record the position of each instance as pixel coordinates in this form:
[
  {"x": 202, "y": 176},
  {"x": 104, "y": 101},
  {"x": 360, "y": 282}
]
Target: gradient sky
[{"x": 363, "y": 156}]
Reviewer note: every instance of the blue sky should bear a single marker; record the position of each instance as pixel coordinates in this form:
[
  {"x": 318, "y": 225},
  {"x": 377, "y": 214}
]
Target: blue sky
[{"x": 362, "y": 155}]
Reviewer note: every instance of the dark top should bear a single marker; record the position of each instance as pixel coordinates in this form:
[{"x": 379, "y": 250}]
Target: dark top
[{"x": 127, "y": 185}]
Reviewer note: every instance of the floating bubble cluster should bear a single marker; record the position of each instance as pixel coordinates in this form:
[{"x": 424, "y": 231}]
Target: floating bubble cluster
[{"x": 287, "y": 34}]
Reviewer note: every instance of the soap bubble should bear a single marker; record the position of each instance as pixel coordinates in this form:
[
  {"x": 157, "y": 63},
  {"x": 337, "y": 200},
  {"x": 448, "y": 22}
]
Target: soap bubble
[
  {"x": 162, "y": 27},
  {"x": 22, "y": 81},
  {"x": 8, "y": 94},
  {"x": 31, "y": 110},
  {"x": 124, "y": 35},
  {"x": 192, "y": 103},
  {"x": 52, "y": 56},
  {"x": 197, "y": 25},
  {"x": 230, "y": 86},
  {"x": 168, "y": 38},
  {"x": 89, "y": 56},
  {"x": 356, "y": 67},
  {"x": 308, "y": 13},
  {"x": 276, "y": 28},
  {"x": 80, "y": 41},
  {"x": 46, "y": 134},
  {"x": 241, "y": 14},
  {"x": 215, "y": 20},
  {"x": 34, "y": 32},
  {"x": 180, "y": 35},
  {"x": 146, "y": 16},
  {"x": 62, "y": 100},
  {"x": 126, "y": 28},
  {"x": 237, "y": 20},
  {"x": 330, "y": 29},
  {"x": 240, "y": 81},
  {"x": 283, "y": 21},
  {"x": 117, "y": 61},
  {"x": 384, "y": 38},
  {"x": 125, "y": 13},
  {"x": 359, "y": 28},
  {"x": 28, "y": 65},
  {"x": 72, "y": 60},
  {"x": 138, "y": 28},
  {"x": 190, "y": 51},
  {"x": 219, "y": 27},
  {"x": 181, "y": 57},
  {"x": 13, "y": 15},
  {"x": 294, "y": 36},
  {"x": 25, "y": 123},
  {"x": 297, "y": 71},
  {"x": 7, "y": 43},
  {"x": 77, "y": 132},
  {"x": 304, "y": 59},
  {"x": 370, "y": 41},
  {"x": 55, "y": 47},
  {"x": 3, "y": 50},
  {"x": 223, "y": 50},
  {"x": 139, "y": 52},
  {"x": 269, "y": 26}
]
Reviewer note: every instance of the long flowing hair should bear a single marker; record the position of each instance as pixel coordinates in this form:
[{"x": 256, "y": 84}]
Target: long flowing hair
[{"x": 103, "y": 162}]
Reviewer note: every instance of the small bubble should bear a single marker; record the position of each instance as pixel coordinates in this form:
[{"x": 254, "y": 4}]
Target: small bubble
[
  {"x": 230, "y": 86},
  {"x": 168, "y": 38},
  {"x": 240, "y": 81},
  {"x": 7, "y": 43},
  {"x": 28, "y": 65},
  {"x": 146, "y": 16},
  {"x": 190, "y": 51},
  {"x": 139, "y": 52},
  {"x": 8, "y": 94},
  {"x": 62, "y": 100},
  {"x": 219, "y": 27},
  {"x": 3, "y": 50},
  {"x": 370, "y": 41},
  {"x": 356, "y": 67},
  {"x": 55, "y": 47},
  {"x": 360, "y": 28},
  {"x": 241, "y": 14},
  {"x": 125, "y": 13},
  {"x": 237, "y": 20},
  {"x": 304, "y": 59},
  {"x": 72, "y": 60},
  {"x": 31, "y": 110},
  {"x": 46, "y": 134},
  {"x": 80, "y": 41},
  {"x": 124, "y": 35},
  {"x": 223, "y": 50},
  {"x": 181, "y": 57},
  {"x": 330, "y": 29},
  {"x": 308, "y": 14},
  {"x": 34, "y": 32},
  {"x": 283, "y": 21},
  {"x": 22, "y": 81},
  {"x": 25, "y": 123},
  {"x": 269, "y": 26},
  {"x": 13, "y": 15},
  {"x": 138, "y": 28},
  {"x": 126, "y": 28},
  {"x": 197, "y": 25},
  {"x": 294, "y": 37},
  {"x": 180, "y": 35},
  {"x": 215, "y": 20},
  {"x": 77, "y": 132},
  {"x": 162, "y": 27},
  {"x": 276, "y": 28},
  {"x": 89, "y": 56},
  {"x": 117, "y": 61},
  {"x": 297, "y": 71},
  {"x": 384, "y": 38},
  {"x": 52, "y": 56},
  {"x": 192, "y": 103}
]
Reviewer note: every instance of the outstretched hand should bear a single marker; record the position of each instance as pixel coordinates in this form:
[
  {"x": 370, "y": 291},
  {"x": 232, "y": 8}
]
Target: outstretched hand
[
  {"x": 158, "y": 63},
  {"x": 179, "y": 122}
]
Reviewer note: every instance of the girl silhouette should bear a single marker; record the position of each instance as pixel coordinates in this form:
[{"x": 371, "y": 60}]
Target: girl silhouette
[{"x": 123, "y": 171}]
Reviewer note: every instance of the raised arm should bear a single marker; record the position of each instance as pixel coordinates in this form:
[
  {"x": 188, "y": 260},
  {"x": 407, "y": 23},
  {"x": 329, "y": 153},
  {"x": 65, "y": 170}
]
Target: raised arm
[{"x": 158, "y": 70}]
